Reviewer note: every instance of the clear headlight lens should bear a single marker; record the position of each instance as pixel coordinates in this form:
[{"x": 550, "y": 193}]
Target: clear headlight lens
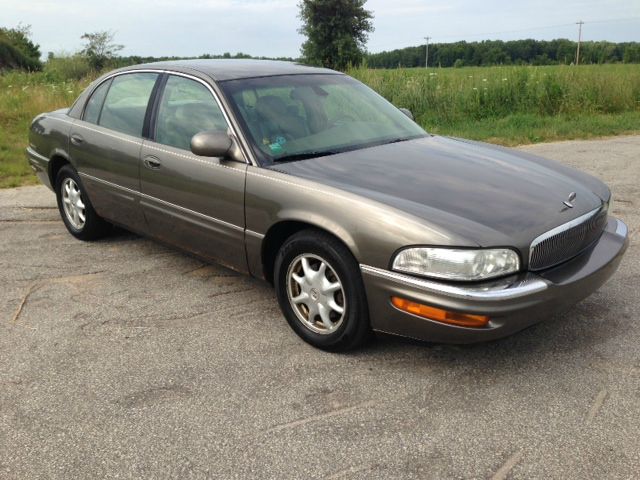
[{"x": 457, "y": 264}]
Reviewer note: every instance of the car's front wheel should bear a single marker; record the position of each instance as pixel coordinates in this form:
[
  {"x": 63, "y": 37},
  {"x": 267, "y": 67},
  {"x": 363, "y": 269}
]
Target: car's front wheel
[
  {"x": 75, "y": 208},
  {"x": 320, "y": 291}
]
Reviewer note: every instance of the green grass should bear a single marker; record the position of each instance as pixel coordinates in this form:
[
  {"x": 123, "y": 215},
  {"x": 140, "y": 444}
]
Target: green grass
[
  {"x": 506, "y": 105},
  {"x": 523, "y": 128},
  {"x": 516, "y": 105},
  {"x": 22, "y": 97}
]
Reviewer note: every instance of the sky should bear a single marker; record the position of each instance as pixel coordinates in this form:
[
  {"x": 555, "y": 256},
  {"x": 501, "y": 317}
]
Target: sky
[{"x": 269, "y": 27}]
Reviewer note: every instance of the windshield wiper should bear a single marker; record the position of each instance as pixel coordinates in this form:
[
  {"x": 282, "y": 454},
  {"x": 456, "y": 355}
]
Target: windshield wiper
[
  {"x": 305, "y": 156},
  {"x": 396, "y": 140},
  {"x": 314, "y": 154}
]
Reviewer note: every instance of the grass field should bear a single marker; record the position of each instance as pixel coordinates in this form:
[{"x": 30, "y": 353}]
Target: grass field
[
  {"x": 22, "y": 97},
  {"x": 516, "y": 105},
  {"x": 506, "y": 105}
]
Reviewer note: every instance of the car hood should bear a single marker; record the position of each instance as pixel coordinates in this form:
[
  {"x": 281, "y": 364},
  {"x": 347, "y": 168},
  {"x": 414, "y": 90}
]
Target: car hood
[{"x": 490, "y": 195}]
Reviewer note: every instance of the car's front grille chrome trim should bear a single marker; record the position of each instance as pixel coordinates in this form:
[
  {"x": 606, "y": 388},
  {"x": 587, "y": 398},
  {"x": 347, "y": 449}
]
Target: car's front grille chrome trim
[{"x": 567, "y": 240}]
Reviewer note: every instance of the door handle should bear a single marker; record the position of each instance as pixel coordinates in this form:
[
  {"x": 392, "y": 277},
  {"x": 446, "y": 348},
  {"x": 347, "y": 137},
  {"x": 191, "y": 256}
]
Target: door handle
[
  {"x": 152, "y": 162},
  {"x": 77, "y": 139}
]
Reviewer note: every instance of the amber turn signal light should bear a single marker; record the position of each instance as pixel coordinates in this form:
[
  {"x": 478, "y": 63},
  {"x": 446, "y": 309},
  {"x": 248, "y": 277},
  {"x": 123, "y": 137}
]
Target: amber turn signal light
[{"x": 444, "y": 316}]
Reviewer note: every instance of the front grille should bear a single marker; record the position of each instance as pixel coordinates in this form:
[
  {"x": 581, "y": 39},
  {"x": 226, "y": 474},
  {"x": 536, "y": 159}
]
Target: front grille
[{"x": 567, "y": 241}]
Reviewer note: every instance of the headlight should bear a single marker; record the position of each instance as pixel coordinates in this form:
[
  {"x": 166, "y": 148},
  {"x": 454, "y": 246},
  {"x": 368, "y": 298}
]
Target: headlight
[{"x": 457, "y": 264}]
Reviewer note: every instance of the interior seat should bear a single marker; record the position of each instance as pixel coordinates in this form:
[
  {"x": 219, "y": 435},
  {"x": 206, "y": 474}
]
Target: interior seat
[{"x": 278, "y": 119}]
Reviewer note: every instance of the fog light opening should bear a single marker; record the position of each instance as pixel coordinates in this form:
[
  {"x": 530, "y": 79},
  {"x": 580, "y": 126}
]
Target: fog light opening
[{"x": 439, "y": 315}]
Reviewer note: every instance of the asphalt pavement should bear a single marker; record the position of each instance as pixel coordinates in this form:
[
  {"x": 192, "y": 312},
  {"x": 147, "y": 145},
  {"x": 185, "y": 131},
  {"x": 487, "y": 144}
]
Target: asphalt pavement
[{"x": 123, "y": 358}]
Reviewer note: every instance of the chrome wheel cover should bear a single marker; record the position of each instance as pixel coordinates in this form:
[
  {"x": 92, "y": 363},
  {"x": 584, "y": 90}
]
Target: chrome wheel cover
[
  {"x": 316, "y": 294},
  {"x": 72, "y": 203}
]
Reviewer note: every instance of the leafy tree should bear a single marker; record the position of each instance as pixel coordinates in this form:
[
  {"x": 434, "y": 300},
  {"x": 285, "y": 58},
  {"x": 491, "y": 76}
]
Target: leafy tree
[
  {"x": 336, "y": 31},
  {"x": 99, "y": 48},
  {"x": 17, "y": 50},
  {"x": 632, "y": 54}
]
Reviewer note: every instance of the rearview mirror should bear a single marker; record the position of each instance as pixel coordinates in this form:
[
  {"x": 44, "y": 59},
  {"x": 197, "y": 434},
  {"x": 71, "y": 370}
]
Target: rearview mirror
[
  {"x": 211, "y": 143},
  {"x": 407, "y": 112}
]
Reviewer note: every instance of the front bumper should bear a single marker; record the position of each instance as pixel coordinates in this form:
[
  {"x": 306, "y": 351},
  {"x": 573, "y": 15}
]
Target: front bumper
[{"x": 512, "y": 303}]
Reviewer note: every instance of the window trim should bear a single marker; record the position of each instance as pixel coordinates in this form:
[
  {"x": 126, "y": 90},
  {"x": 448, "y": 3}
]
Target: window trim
[
  {"x": 149, "y": 101},
  {"x": 235, "y": 128},
  {"x": 148, "y": 128},
  {"x": 86, "y": 104},
  {"x": 156, "y": 107}
]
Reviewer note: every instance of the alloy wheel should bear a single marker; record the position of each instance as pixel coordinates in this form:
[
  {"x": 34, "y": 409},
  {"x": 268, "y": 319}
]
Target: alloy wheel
[
  {"x": 316, "y": 294},
  {"x": 72, "y": 203}
]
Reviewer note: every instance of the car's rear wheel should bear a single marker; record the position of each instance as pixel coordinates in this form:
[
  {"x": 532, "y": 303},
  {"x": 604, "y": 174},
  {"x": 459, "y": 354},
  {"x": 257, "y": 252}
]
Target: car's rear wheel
[
  {"x": 75, "y": 208},
  {"x": 320, "y": 291}
]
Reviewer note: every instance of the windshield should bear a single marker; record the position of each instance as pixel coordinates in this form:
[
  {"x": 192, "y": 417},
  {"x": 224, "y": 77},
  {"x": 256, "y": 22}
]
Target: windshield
[{"x": 293, "y": 117}]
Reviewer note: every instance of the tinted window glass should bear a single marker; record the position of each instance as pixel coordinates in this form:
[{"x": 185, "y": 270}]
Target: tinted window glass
[
  {"x": 187, "y": 107},
  {"x": 94, "y": 105},
  {"x": 292, "y": 117},
  {"x": 126, "y": 103}
]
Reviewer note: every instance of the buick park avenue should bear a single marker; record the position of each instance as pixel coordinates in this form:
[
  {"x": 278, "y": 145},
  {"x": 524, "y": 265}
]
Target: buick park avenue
[{"x": 306, "y": 178}]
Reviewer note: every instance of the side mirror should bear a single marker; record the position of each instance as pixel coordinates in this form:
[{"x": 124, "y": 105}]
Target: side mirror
[
  {"x": 407, "y": 112},
  {"x": 211, "y": 143}
]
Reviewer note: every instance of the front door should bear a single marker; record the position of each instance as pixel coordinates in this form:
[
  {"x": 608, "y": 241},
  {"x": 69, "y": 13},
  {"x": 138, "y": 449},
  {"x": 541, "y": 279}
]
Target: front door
[{"x": 194, "y": 202}]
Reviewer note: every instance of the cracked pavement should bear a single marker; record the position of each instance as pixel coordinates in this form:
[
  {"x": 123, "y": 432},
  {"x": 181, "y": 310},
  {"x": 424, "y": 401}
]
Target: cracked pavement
[{"x": 126, "y": 359}]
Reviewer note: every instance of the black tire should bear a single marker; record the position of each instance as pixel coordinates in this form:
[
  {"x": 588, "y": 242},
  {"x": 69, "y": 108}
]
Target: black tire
[
  {"x": 354, "y": 329},
  {"x": 94, "y": 227}
]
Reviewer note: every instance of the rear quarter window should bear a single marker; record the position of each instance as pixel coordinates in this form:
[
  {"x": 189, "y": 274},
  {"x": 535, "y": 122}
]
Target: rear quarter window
[{"x": 94, "y": 104}]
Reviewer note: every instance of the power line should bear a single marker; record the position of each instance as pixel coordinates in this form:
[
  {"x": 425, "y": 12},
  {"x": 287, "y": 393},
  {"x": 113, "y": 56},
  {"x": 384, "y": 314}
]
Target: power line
[{"x": 509, "y": 31}]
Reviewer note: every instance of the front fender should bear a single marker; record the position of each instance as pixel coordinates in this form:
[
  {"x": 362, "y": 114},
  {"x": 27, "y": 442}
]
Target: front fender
[
  {"x": 371, "y": 230},
  {"x": 322, "y": 222}
]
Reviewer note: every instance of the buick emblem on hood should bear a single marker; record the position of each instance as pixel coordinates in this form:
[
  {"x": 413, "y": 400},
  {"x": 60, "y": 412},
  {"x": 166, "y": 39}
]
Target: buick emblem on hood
[{"x": 571, "y": 198}]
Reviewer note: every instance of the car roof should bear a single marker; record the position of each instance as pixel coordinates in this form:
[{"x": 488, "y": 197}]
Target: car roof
[{"x": 232, "y": 69}]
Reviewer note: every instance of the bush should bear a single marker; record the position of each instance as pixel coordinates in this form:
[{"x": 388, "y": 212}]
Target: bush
[
  {"x": 17, "y": 50},
  {"x": 69, "y": 67}
]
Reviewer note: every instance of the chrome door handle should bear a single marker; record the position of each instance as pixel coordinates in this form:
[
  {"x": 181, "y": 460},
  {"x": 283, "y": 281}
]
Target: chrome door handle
[
  {"x": 77, "y": 139},
  {"x": 152, "y": 162}
]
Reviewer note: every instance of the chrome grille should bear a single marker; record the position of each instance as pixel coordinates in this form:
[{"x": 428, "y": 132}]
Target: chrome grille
[{"x": 566, "y": 241}]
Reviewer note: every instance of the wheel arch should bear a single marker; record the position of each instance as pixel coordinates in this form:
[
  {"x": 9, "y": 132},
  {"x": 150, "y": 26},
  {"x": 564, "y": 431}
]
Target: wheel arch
[
  {"x": 56, "y": 162},
  {"x": 279, "y": 232}
]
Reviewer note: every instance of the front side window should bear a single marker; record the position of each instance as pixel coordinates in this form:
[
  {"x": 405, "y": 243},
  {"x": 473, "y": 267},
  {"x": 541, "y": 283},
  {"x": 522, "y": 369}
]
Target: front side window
[
  {"x": 94, "y": 105},
  {"x": 126, "y": 104},
  {"x": 292, "y": 117},
  {"x": 186, "y": 108}
]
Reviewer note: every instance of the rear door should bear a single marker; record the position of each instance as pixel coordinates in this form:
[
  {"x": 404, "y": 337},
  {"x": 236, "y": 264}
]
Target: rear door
[
  {"x": 196, "y": 203},
  {"x": 106, "y": 145}
]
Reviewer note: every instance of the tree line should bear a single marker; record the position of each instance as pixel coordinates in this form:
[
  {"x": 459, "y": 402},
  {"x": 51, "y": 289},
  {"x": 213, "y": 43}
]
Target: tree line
[
  {"x": 336, "y": 33},
  {"x": 498, "y": 52},
  {"x": 18, "y": 51}
]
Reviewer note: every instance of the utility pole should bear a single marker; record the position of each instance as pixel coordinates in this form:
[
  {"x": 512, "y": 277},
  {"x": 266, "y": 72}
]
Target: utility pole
[
  {"x": 426, "y": 60},
  {"x": 580, "y": 23}
]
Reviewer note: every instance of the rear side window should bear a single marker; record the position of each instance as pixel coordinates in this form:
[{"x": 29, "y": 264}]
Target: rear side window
[
  {"x": 186, "y": 108},
  {"x": 94, "y": 105},
  {"x": 126, "y": 103}
]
